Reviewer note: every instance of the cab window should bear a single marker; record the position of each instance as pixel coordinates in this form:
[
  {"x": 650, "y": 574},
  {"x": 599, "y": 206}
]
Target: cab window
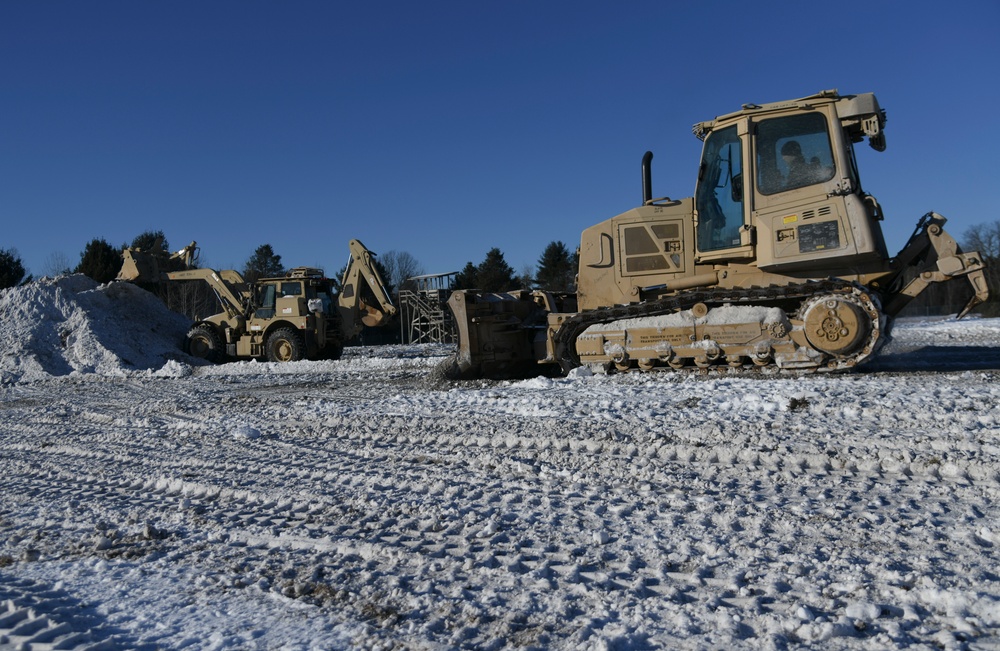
[
  {"x": 291, "y": 289},
  {"x": 719, "y": 196},
  {"x": 793, "y": 152}
]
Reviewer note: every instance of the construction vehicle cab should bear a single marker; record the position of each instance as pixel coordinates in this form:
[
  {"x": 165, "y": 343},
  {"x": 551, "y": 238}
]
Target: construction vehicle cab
[
  {"x": 800, "y": 203},
  {"x": 777, "y": 191}
]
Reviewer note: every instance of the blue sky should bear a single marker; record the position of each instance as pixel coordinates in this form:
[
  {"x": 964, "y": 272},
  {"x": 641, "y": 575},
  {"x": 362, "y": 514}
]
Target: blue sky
[{"x": 444, "y": 129}]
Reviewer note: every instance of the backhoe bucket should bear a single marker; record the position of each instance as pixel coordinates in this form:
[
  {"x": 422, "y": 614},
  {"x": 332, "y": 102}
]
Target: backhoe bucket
[
  {"x": 151, "y": 266},
  {"x": 138, "y": 267},
  {"x": 371, "y": 316}
]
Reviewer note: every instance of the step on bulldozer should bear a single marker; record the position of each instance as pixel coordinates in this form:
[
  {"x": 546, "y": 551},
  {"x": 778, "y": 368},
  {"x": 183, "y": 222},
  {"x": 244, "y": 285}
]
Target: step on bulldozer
[
  {"x": 296, "y": 316},
  {"x": 777, "y": 262}
]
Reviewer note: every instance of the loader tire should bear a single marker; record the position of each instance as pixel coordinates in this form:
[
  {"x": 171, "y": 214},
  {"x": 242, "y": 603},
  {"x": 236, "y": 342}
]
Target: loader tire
[
  {"x": 285, "y": 345},
  {"x": 204, "y": 342}
]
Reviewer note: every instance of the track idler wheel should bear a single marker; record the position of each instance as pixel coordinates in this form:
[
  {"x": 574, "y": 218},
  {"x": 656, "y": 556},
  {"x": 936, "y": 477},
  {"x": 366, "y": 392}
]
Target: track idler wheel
[{"x": 836, "y": 325}]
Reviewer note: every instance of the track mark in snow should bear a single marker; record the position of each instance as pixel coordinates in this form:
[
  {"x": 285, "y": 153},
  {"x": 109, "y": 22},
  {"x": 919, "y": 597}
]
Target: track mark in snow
[
  {"x": 37, "y": 618},
  {"x": 565, "y": 514}
]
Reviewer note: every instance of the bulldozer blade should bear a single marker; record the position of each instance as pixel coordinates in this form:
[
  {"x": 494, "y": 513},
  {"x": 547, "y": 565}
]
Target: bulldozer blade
[{"x": 497, "y": 334}]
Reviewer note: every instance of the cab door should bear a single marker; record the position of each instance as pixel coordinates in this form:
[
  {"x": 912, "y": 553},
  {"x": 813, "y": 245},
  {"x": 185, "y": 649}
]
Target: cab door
[{"x": 723, "y": 231}]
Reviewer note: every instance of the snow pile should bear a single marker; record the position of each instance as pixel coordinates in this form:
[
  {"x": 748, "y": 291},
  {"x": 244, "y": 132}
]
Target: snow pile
[{"x": 70, "y": 325}]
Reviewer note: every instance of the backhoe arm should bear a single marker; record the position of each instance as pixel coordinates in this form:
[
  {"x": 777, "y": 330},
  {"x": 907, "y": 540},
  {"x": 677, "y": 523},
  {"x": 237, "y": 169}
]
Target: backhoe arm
[
  {"x": 354, "y": 310},
  {"x": 227, "y": 285},
  {"x": 938, "y": 258}
]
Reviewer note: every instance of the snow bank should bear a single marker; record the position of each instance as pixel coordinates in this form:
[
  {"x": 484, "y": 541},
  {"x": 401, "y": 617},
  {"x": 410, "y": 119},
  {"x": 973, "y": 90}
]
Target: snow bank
[{"x": 70, "y": 324}]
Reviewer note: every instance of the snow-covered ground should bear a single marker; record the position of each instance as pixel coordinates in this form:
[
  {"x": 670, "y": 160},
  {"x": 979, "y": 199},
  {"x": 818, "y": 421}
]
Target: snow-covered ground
[{"x": 149, "y": 503}]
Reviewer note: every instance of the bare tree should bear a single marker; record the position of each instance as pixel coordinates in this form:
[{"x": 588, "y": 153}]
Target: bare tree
[
  {"x": 399, "y": 266},
  {"x": 57, "y": 264},
  {"x": 985, "y": 238},
  {"x": 193, "y": 299},
  {"x": 526, "y": 279}
]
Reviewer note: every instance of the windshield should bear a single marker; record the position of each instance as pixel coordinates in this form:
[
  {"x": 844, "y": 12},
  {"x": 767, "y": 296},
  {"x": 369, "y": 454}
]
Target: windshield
[
  {"x": 793, "y": 152},
  {"x": 720, "y": 191}
]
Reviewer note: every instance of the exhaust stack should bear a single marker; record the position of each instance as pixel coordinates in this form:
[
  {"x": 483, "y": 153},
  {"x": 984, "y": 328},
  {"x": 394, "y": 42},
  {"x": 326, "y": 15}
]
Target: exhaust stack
[{"x": 647, "y": 178}]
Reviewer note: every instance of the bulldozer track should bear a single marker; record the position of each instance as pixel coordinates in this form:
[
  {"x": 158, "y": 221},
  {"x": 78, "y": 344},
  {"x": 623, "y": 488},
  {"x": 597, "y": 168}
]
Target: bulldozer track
[{"x": 575, "y": 325}]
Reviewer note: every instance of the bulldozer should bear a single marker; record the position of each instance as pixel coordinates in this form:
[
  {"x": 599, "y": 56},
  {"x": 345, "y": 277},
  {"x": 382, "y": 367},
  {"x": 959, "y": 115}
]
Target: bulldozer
[
  {"x": 285, "y": 319},
  {"x": 777, "y": 262}
]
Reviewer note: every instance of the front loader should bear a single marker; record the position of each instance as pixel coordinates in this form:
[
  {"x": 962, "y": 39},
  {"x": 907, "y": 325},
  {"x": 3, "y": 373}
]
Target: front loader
[{"x": 777, "y": 261}]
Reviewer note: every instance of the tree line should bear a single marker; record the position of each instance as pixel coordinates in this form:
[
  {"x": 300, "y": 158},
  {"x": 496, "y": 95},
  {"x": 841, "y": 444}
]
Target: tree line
[
  {"x": 101, "y": 261},
  {"x": 556, "y": 272}
]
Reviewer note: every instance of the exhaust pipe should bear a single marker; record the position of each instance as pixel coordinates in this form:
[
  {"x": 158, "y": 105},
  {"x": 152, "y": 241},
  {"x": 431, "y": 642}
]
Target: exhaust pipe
[{"x": 647, "y": 178}]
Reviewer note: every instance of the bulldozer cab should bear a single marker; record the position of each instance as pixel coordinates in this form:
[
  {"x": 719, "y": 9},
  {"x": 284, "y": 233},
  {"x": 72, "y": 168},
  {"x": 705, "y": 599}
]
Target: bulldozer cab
[{"x": 778, "y": 184}]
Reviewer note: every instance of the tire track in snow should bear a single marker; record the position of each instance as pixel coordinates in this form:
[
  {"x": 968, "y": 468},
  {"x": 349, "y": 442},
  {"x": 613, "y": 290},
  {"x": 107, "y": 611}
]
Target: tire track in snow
[
  {"x": 396, "y": 518},
  {"x": 37, "y": 618}
]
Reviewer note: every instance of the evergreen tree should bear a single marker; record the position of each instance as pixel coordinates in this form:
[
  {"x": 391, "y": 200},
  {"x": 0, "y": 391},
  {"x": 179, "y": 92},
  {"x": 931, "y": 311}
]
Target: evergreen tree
[
  {"x": 494, "y": 274},
  {"x": 556, "y": 269},
  {"x": 147, "y": 240},
  {"x": 100, "y": 261},
  {"x": 11, "y": 268},
  {"x": 264, "y": 263},
  {"x": 466, "y": 278}
]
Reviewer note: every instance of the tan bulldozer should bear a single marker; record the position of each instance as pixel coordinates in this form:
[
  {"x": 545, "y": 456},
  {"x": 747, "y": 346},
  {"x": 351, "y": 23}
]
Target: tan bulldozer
[
  {"x": 777, "y": 262},
  {"x": 296, "y": 316}
]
